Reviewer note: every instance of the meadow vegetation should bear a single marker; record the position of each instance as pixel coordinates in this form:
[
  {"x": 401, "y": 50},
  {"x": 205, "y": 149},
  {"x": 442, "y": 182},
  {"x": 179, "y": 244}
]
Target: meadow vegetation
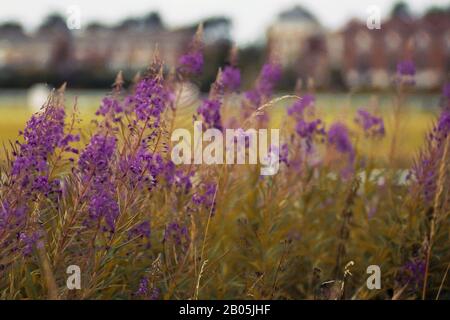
[{"x": 358, "y": 185}]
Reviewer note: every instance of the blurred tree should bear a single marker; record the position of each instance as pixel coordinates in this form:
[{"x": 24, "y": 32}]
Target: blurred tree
[
  {"x": 53, "y": 23},
  {"x": 401, "y": 10}
]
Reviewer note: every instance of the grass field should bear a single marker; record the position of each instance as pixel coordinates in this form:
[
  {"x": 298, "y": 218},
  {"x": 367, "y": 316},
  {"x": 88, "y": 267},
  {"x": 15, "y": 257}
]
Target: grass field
[{"x": 417, "y": 115}]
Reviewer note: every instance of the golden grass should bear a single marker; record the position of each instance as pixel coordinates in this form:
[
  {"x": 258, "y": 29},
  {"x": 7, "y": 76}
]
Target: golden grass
[{"x": 415, "y": 119}]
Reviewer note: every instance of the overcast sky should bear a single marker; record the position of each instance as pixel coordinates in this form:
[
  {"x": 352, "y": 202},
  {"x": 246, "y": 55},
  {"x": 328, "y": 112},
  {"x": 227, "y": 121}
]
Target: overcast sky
[{"x": 250, "y": 17}]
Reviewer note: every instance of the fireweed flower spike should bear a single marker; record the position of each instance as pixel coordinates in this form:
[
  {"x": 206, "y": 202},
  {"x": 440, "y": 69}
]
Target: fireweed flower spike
[
  {"x": 406, "y": 70},
  {"x": 191, "y": 63},
  {"x": 270, "y": 74},
  {"x": 372, "y": 126},
  {"x": 231, "y": 78},
  {"x": 30, "y": 174},
  {"x": 426, "y": 167},
  {"x": 111, "y": 103},
  {"x": 96, "y": 171},
  {"x": 301, "y": 111},
  {"x": 209, "y": 109},
  {"x": 339, "y": 138}
]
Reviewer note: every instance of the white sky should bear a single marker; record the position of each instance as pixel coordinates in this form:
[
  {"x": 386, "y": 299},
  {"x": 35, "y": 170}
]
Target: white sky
[{"x": 250, "y": 17}]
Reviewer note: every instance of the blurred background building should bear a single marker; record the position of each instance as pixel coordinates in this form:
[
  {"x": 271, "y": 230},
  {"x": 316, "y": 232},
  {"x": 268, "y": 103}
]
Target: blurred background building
[{"x": 353, "y": 56}]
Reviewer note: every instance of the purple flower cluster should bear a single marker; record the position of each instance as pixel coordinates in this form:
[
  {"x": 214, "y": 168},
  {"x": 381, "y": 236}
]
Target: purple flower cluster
[
  {"x": 141, "y": 231},
  {"x": 96, "y": 172},
  {"x": 339, "y": 137},
  {"x": 406, "y": 68},
  {"x": 307, "y": 130},
  {"x": 412, "y": 273},
  {"x": 109, "y": 105},
  {"x": 406, "y": 71},
  {"x": 269, "y": 76},
  {"x": 231, "y": 78},
  {"x": 426, "y": 168},
  {"x": 29, "y": 240},
  {"x": 373, "y": 126},
  {"x": 149, "y": 100},
  {"x": 210, "y": 112},
  {"x": 446, "y": 91},
  {"x": 43, "y": 134},
  {"x": 145, "y": 292},
  {"x": 146, "y": 169},
  {"x": 192, "y": 62},
  {"x": 177, "y": 235},
  {"x": 205, "y": 197}
]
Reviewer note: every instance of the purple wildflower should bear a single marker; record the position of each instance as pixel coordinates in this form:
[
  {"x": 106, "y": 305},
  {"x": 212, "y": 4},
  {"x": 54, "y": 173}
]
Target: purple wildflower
[
  {"x": 43, "y": 134},
  {"x": 307, "y": 130},
  {"x": 149, "y": 99},
  {"x": 338, "y": 136},
  {"x": 231, "y": 78},
  {"x": 269, "y": 75},
  {"x": 177, "y": 235},
  {"x": 141, "y": 230},
  {"x": 297, "y": 110},
  {"x": 210, "y": 112},
  {"x": 373, "y": 126},
  {"x": 205, "y": 197},
  {"x": 425, "y": 169},
  {"x": 95, "y": 165},
  {"x": 406, "y": 71},
  {"x": 192, "y": 62},
  {"x": 412, "y": 273},
  {"x": 145, "y": 291},
  {"x": 28, "y": 241},
  {"x": 446, "y": 90},
  {"x": 406, "y": 68},
  {"x": 109, "y": 105},
  {"x": 142, "y": 291}
]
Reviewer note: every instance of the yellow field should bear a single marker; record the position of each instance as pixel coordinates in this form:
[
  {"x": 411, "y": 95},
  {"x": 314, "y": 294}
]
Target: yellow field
[{"x": 415, "y": 119}]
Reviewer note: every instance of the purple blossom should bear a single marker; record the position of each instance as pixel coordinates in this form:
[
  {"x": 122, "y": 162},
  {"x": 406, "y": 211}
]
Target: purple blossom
[
  {"x": 177, "y": 235},
  {"x": 373, "y": 126},
  {"x": 297, "y": 110},
  {"x": 307, "y": 130},
  {"x": 412, "y": 273},
  {"x": 109, "y": 105},
  {"x": 406, "y": 71},
  {"x": 425, "y": 169},
  {"x": 95, "y": 167},
  {"x": 339, "y": 137},
  {"x": 29, "y": 241},
  {"x": 210, "y": 112},
  {"x": 270, "y": 74},
  {"x": 231, "y": 78},
  {"x": 144, "y": 290},
  {"x": 406, "y": 68},
  {"x": 205, "y": 197},
  {"x": 43, "y": 134},
  {"x": 141, "y": 230},
  {"x": 446, "y": 90},
  {"x": 192, "y": 62},
  {"x": 149, "y": 99}
]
